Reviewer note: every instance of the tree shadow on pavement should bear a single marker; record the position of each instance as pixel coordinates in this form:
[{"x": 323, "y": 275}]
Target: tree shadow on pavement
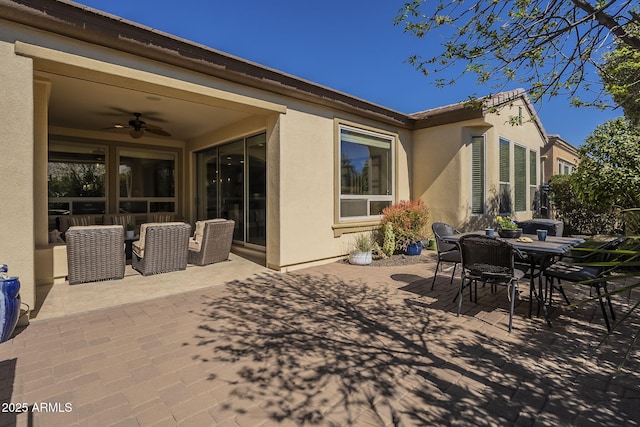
[{"x": 312, "y": 349}]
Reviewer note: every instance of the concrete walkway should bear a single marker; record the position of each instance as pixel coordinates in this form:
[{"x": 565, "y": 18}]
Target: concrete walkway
[{"x": 335, "y": 345}]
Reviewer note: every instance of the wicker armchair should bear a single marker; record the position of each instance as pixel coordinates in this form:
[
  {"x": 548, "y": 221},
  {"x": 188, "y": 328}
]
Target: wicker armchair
[
  {"x": 211, "y": 241},
  {"x": 95, "y": 252},
  {"x": 162, "y": 247}
]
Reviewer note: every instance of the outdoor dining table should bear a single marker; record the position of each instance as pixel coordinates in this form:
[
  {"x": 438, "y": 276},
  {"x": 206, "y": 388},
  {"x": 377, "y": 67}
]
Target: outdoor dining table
[{"x": 539, "y": 254}]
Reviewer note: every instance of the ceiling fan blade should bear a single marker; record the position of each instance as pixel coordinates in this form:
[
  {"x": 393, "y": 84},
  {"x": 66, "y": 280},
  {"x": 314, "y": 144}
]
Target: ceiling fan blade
[{"x": 156, "y": 130}]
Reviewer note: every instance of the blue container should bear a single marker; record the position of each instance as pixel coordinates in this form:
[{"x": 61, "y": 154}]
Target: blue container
[
  {"x": 414, "y": 249},
  {"x": 9, "y": 306}
]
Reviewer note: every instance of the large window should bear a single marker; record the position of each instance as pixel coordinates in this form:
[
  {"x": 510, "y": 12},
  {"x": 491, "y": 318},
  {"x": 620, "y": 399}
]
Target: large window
[
  {"x": 477, "y": 175},
  {"x": 77, "y": 179},
  {"x": 504, "y": 195},
  {"x": 366, "y": 173},
  {"x": 147, "y": 181}
]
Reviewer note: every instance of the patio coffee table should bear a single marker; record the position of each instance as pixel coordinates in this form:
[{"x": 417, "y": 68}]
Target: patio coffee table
[{"x": 541, "y": 255}]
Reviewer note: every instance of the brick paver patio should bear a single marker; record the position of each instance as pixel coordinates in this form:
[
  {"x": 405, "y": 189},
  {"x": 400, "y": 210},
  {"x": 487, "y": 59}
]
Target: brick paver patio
[{"x": 334, "y": 345}]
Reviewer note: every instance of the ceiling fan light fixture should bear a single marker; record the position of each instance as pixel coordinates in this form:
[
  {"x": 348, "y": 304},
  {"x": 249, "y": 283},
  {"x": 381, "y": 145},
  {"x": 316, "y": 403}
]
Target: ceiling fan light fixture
[{"x": 136, "y": 133}]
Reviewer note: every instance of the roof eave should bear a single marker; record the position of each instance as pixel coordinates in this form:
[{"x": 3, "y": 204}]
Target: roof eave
[{"x": 99, "y": 28}]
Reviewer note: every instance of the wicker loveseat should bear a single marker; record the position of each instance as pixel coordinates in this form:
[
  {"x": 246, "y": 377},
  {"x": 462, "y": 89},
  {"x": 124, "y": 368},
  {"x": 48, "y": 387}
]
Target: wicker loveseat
[
  {"x": 162, "y": 247},
  {"x": 161, "y": 217},
  {"x": 66, "y": 221},
  {"x": 119, "y": 219},
  {"x": 95, "y": 252},
  {"x": 211, "y": 241}
]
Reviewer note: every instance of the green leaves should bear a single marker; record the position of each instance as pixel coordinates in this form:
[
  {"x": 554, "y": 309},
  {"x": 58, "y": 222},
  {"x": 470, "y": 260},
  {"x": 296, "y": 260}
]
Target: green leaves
[
  {"x": 606, "y": 179},
  {"x": 549, "y": 46},
  {"x": 621, "y": 76}
]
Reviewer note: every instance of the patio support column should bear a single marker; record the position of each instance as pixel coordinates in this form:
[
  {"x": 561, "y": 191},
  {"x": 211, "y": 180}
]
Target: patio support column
[
  {"x": 17, "y": 244},
  {"x": 42, "y": 90},
  {"x": 273, "y": 192}
]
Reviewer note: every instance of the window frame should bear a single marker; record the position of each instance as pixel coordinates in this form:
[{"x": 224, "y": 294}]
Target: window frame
[
  {"x": 565, "y": 168},
  {"x": 339, "y": 197}
]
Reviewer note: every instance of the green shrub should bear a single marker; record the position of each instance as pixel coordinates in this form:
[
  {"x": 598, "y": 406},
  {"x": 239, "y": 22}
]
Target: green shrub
[
  {"x": 580, "y": 217},
  {"x": 409, "y": 221},
  {"x": 389, "y": 242}
]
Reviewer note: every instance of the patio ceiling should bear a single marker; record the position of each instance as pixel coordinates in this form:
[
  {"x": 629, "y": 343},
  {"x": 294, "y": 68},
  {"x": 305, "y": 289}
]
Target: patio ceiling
[{"x": 94, "y": 106}]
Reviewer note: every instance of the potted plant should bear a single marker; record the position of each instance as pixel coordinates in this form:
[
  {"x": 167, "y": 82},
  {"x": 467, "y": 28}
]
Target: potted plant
[
  {"x": 362, "y": 247},
  {"x": 409, "y": 220},
  {"x": 508, "y": 227},
  {"x": 130, "y": 231}
]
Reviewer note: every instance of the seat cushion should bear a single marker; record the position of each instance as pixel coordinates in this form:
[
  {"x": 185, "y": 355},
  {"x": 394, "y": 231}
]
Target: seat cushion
[
  {"x": 571, "y": 273},
  {"x": 450, "y": 256},
  {"x": 194, "y": 245},
  {"x": 138, "y": 248}
]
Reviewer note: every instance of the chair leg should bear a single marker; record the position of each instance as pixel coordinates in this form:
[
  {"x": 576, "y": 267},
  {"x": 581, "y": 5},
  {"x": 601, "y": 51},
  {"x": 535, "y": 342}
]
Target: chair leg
[
  {"x": 435, "y": 274},
  {"x": 512, "y": 305},
  {"x": 604, "y": 311},
  {"x": 460, "y": 295},
  {"x": 613, "y": 315},
  {"x": 561, "y": 289},
  {"x": 454, "y": 272}
]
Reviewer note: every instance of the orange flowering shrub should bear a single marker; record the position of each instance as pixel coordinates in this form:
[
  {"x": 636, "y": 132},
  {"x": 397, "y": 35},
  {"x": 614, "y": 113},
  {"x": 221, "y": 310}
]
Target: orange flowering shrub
[{"x": 409, "y": 220}]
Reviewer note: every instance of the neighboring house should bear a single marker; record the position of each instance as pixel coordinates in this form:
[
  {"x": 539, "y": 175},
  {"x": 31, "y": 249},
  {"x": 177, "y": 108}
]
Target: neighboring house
[
  {"x": 558, "y": 157},
  {"x": 298, "y": 166},
  {"x": 472, "y": 163}
]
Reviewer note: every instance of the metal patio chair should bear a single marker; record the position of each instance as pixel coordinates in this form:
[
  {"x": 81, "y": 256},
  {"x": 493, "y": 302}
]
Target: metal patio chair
[
  {"x": 587, "y": 267},
  {"x": 447, "y": 252},
  {"x": 488, "y": 260}
]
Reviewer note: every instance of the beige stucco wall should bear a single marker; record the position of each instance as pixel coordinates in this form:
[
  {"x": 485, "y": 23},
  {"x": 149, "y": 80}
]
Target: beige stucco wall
[
  {"x": 301, "y": 192},
  {"x": 442, "y": 163},
  {"x": 16, "y": 175},
  {"x": 554, "y": 154}
]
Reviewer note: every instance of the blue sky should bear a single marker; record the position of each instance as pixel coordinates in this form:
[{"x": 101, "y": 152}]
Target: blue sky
[{"x": 351, "y": 46}]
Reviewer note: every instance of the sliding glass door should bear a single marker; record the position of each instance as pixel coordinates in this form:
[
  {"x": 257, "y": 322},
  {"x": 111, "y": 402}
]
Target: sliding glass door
[
  {"x": 232, "y": 184},
  {"x": 256, "y": 190}
]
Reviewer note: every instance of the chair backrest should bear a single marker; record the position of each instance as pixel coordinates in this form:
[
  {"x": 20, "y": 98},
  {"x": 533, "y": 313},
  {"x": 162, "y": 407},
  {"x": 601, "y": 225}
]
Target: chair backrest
[
  {"x": 486, "y": 256},
  {"x": 167, "y": 227},
  {"x": 596, "y": 254},
  {"x": 441, "y": 229}
]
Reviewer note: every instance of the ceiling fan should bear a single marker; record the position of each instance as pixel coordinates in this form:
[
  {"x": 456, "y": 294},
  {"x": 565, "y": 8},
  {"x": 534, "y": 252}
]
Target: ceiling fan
[{"x": 139, "y": 126}]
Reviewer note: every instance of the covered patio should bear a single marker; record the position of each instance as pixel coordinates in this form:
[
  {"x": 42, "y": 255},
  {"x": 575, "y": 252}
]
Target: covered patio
[{"x": 329, "y": 345}]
